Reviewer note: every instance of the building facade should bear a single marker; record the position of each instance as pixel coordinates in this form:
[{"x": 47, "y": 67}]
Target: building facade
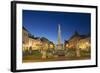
[
  {"x": 84, "y": 44},
  {"x": 78, "y": 41},
  {"x": 34, "y": 43},
  {"x": 25, "y": 39}
]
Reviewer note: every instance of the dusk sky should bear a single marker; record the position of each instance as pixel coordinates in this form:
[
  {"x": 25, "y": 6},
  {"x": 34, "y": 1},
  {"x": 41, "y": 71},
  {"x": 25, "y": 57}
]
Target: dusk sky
[{"x": 45, "y": 24}]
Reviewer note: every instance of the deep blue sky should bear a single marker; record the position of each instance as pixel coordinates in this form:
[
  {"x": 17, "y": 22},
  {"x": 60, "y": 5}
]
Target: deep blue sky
[{"x": 45, "y": 24}]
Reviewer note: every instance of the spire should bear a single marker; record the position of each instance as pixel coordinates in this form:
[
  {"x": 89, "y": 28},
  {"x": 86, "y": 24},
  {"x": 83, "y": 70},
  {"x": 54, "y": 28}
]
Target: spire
[{"x": 59, "y": 34}]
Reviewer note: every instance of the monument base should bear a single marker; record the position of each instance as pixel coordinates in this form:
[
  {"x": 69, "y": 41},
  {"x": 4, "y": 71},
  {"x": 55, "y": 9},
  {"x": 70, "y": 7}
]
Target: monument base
[{"x": 59, "y": 46}]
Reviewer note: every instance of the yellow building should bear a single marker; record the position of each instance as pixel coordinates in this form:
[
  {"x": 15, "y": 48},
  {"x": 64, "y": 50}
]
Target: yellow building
[
  {"x": 71, "y": 43},
  {"x": 78, "y": 41},
  {"x": 35, "y": 43},
  {"x": 51, "y": 45},
  {"x": 25, "y": 39},
  {"x": 84, "y": 44},
  {"x": 45, "y": 45}
]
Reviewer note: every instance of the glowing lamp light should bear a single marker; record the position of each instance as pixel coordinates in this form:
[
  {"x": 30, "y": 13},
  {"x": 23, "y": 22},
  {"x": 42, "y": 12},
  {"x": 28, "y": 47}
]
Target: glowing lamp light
[
  {"x": 87, "y": 43},
  {"x": 66, "y": 45},
  {"x": 51, "y": 46}
]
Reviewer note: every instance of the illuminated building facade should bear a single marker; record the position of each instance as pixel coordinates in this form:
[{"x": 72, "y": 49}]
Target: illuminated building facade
[
  {"x": 35, "y": 43},
  {"x": 25, "y": 39},
  {"x": 78, "y": 41}
]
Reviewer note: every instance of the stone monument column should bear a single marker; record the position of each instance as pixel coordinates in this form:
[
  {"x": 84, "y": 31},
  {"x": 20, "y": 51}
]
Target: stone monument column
[
  {"x": 59, "y": 45},
  {"x": 59, "y": 34}
]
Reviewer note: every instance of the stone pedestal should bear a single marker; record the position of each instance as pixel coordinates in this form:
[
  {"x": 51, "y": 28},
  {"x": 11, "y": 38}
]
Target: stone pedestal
[
  {"x": 56, "y": 56},
  {"x": 43, "y": 54},
  {"x": 59, "y": 46},
  {"x": 78, "y": 52}
]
